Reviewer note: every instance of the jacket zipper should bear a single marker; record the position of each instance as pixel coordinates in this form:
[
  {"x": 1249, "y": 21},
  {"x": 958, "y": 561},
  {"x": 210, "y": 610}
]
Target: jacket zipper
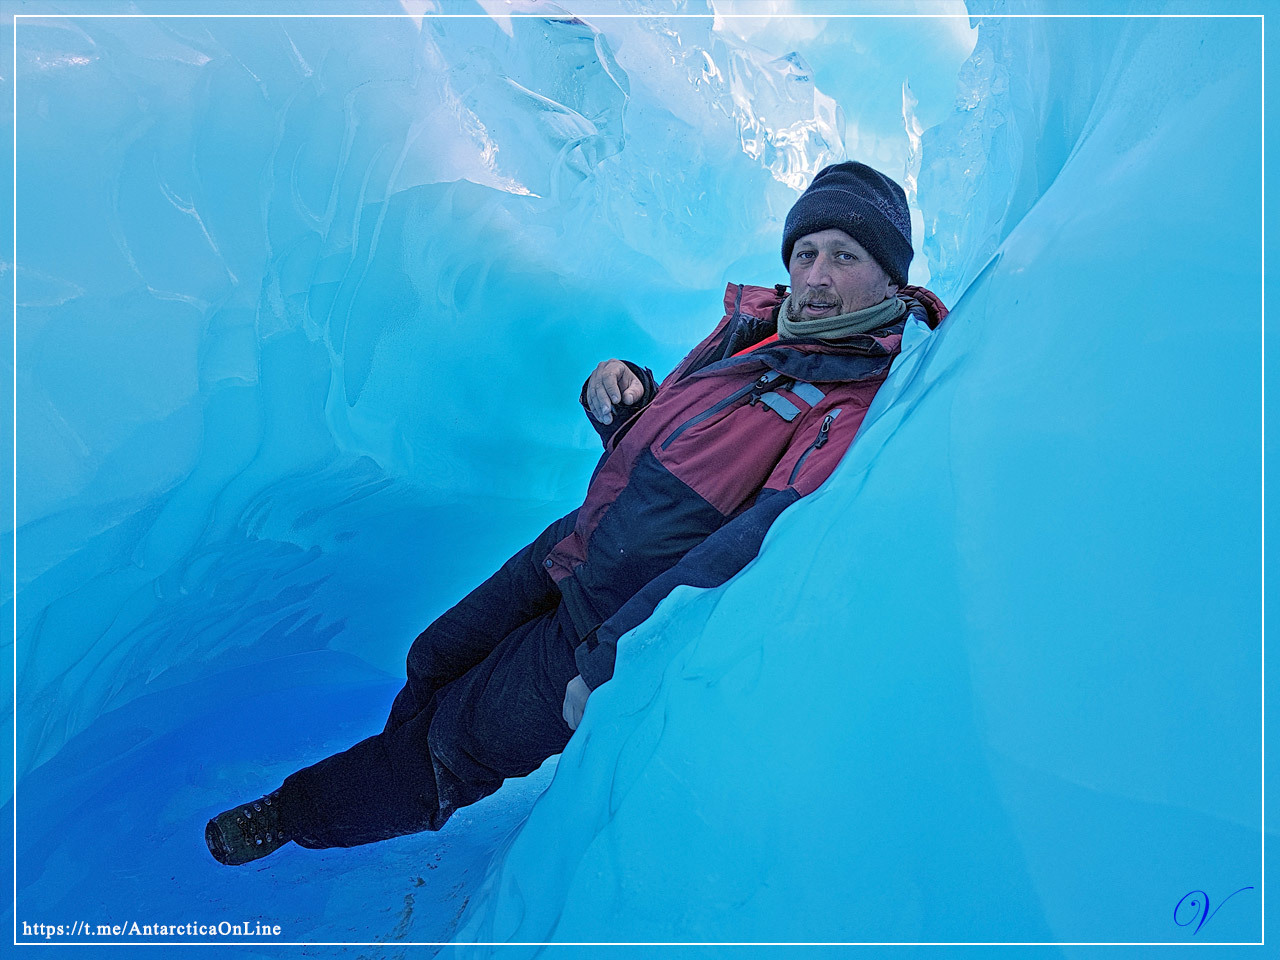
[
  {"x": 822, "y": 438},
  {"x": 761, "y": 382}
]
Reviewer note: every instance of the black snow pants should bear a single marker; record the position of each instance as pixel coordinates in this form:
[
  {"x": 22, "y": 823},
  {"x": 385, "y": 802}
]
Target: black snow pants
[{"x": 486, "y": 682}]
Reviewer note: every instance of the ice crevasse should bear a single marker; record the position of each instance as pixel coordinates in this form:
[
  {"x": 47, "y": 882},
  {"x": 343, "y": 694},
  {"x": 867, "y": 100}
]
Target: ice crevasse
[
  {"x": 1006, "y": 663},
  {"x": 998, "y": 680}
]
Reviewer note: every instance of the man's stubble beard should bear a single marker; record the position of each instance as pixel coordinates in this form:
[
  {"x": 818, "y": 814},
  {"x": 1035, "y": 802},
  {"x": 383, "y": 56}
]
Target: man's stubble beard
[{"x": 795, "y": 305}]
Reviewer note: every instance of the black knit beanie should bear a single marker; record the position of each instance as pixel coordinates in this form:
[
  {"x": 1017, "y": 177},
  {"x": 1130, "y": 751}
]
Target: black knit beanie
[{"x": 862, "y": 202}]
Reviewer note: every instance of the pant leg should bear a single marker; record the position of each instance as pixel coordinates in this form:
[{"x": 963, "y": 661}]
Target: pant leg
[
  {"x": 520, "y": 591},
  {"x": 501, "y": 719}
]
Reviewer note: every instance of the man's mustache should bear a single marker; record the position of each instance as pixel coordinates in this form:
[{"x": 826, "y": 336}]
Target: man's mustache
[{"x": 796, "y": 305}]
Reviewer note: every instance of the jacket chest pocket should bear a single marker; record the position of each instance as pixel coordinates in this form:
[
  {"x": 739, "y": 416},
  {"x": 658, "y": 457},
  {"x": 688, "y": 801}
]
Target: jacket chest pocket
[
  {"x": 818, "y": 441},
  {"x": 763, "y": 391},
  {"x": 726, "y": 451},
  {"x": 749, "y": 393}
]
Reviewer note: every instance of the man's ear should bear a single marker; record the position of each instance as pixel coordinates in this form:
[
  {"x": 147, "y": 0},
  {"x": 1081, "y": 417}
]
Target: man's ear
[{"x": 891, "y": 291}]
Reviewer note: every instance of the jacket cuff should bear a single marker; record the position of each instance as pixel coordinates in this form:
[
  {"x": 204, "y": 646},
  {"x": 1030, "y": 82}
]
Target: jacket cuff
[{"x": 595, "y": 659}]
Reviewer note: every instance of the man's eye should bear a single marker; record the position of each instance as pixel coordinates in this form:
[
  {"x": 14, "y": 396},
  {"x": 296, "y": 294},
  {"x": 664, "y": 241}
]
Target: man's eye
[{"x": 846, "y": 256}]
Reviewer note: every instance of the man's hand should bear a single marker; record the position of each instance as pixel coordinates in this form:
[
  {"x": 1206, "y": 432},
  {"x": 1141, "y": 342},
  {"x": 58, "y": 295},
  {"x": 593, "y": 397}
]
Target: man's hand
[
  {"x": 612, "y": 382},
  {"x": 575, "y": 701}
]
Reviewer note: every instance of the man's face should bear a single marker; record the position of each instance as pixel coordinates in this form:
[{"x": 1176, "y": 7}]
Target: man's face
[{"x": 832, "y": 274}]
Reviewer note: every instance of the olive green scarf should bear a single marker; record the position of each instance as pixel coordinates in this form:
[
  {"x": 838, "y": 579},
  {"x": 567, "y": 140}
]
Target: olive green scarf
[{"x": 870, "y": 318}]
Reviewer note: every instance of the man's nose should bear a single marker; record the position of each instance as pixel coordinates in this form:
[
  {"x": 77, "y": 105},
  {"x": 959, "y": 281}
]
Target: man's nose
[{"x": 820, "y": 272}]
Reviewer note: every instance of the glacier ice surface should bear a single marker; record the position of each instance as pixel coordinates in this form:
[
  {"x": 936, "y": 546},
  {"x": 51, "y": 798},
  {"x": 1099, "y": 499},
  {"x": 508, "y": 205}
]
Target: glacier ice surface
[{"x": 302, "y": 310}]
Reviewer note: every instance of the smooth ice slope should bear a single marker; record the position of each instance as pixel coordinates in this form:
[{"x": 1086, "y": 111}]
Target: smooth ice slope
[{"x": 999, "y": 679}]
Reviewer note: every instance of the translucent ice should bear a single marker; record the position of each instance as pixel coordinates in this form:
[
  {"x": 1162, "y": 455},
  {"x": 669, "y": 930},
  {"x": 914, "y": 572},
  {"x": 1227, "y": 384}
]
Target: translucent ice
[
  {"x": 303, "y": 307},
  {"x": 1004, "y": 666}
]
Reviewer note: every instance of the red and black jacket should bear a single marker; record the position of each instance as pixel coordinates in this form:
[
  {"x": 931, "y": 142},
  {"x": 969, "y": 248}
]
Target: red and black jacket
[{"x": 694, "y": 473}]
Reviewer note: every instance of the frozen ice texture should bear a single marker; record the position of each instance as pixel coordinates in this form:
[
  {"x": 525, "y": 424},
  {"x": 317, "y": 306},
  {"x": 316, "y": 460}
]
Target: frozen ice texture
[
  {"x": 1009, "y": 655},
  {"x": 303, "y": 307}
]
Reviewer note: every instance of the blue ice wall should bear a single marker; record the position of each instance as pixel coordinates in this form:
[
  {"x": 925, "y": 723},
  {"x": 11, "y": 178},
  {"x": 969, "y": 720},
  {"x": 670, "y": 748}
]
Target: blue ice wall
[
  {"x": 303, "y": 310},
  {"x": 282, "y": 282}
]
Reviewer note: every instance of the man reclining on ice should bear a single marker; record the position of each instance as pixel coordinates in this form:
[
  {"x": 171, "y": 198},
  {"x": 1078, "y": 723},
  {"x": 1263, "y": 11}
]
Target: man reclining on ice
[{"x": 694, "y": 472}]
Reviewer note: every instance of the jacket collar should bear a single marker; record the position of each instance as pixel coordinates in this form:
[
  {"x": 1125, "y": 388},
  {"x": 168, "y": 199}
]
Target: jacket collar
[{"x": 862, "y": 357}]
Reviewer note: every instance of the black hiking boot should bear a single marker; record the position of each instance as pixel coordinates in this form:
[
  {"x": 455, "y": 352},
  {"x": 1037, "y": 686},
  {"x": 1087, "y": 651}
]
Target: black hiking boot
[{"x": 247, "y": 832}]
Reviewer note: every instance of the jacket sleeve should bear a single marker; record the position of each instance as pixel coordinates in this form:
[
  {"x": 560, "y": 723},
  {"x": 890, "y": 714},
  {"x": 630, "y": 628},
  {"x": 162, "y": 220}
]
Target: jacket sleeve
[
  {"x": 721, "y": 556},
  {"x": 623, "y": 412}
]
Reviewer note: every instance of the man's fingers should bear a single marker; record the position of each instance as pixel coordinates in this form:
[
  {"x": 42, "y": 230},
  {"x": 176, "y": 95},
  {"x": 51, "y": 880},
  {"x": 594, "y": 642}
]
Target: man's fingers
[
  {"x": 611, "y": 384},
  {"x": 628, "y": 385},
  {"x": 599, "y": 403},
  {"x": 603, "y": 390},
  {"x": 634, "y": 390},
  {"x": 576, "y": 693}
]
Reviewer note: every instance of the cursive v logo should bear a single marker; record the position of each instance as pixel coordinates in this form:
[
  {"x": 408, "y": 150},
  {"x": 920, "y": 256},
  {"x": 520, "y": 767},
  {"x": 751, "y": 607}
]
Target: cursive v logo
[{"x": 1197, "y": 902}]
